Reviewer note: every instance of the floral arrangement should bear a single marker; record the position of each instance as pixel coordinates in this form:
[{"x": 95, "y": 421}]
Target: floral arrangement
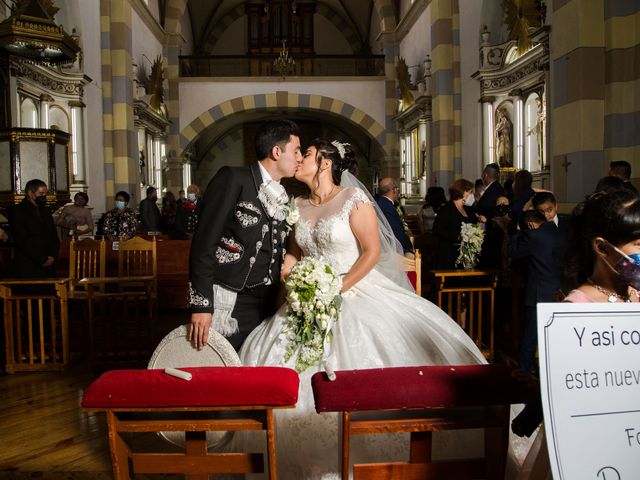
[
  {"x": 472, "y": 236},
  {"x": 293, "y": 214},
  {"x": 313, "y": 307}
]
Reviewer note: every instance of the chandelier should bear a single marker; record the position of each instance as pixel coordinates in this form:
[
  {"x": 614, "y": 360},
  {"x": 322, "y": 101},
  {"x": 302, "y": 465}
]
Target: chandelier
[
  {"x": 31, "y": 34},
  {"x": 284, "y": 64}
]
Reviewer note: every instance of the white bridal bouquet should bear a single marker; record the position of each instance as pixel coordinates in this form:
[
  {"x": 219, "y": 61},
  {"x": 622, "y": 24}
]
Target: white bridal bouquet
[
  {"x": 313, "y": 307},
  {"x": 472, "y": 236}
]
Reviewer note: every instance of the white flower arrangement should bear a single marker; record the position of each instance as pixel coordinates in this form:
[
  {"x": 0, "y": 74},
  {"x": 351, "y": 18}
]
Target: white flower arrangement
[
  {"x": 294, "y": 214},
  {"x": 313, "y": 307},
  {"x": 472, "y": 236}
]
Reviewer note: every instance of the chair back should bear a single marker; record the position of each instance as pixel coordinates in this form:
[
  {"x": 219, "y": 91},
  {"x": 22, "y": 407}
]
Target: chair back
[
  {"x": 137, "y": 257},
  {"x": 87, "y": 258},
  {"x": 413, "y": 267}
]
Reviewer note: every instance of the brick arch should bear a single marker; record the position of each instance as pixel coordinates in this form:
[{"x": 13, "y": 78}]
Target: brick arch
[
  {"x": 278, "y": 101},
  {"x": 322, "y": 9}
]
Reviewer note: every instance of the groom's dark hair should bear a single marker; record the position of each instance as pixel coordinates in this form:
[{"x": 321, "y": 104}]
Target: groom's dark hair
[{"x": 272, "y": 133}]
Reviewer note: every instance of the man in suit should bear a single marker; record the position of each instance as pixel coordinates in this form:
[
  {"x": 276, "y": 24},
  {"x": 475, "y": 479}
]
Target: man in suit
[
  {"x": 622, "y": 170},
  {"x": 490, "y": 256},
  {"x": 388, "y": 196},
  {"x": 149, "y": 212},
  {"x": 539, "y": 242},
  {"x": 486, "y": 205},
  {"x": 34, "y": 234},
  {"x": 238, "y": 247}
]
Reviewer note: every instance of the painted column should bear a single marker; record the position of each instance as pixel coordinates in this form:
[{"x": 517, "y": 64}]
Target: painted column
[
  {"x": 488, "y": 149},
  {"x": 446, "y": 94},
  {"x": 172, "y": 48},
  {"x": 45, "y": 103},
  {"x": 78, "y": 158},
  {"x": 578, "y": 95},
  {"x": 120, "y": 136},
  {"x": 518, "y": 129}
]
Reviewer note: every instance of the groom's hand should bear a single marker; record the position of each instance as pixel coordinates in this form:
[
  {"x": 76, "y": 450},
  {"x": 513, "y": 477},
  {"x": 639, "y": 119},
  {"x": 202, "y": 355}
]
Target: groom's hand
[{"x": 199, "y": 329}]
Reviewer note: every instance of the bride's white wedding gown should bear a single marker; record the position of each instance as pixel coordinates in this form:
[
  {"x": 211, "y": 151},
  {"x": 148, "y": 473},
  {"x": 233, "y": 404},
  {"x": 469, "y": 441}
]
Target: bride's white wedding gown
[{"x": 381, "y": 324}]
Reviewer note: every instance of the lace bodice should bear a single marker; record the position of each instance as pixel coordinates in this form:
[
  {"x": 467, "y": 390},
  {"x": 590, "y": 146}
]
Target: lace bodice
[{"x": 324, "y": 231}]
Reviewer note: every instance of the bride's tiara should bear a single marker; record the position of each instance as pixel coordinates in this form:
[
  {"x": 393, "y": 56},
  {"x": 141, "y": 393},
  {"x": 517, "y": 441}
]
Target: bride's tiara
[{"x": 340, "y": 147}]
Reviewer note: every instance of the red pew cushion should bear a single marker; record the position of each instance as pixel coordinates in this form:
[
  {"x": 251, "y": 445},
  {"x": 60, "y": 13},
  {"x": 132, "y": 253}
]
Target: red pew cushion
[
  {"x": 417, "y": 387},
  {"x": 413, "y": 278},
  {"x": 209, "y": 387}
]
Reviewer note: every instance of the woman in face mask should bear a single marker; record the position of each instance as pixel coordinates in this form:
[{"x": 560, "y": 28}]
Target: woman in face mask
[
  {"x": 120, "y": 223},
  {"x": 448, "y": 222},
  {"x": 604, "y": 252}
]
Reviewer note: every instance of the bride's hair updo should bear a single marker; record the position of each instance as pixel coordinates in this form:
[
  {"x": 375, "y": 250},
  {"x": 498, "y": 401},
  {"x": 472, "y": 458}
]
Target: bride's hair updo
[{"x": 340, "y": 163}]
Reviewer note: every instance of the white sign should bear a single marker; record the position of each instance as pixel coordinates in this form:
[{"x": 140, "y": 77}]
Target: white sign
[{"x": 590, "y": 381}]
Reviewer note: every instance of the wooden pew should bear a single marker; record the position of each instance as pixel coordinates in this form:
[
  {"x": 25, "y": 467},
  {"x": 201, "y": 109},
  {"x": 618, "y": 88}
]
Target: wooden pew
[
  {"x": 423, "y": 400},
  {"x": 173, "y": 270},
  {"x": 216, "y": 398}
]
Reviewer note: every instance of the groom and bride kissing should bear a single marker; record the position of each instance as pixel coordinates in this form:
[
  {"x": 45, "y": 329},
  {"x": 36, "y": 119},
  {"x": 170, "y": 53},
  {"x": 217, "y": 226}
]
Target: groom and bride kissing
[{"x": 246, "y": 244}]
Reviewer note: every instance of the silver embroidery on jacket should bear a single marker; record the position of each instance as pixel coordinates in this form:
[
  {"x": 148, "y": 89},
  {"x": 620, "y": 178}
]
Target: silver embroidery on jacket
[
  {"x": 230, "y": 251},
  {"x": 247, "y": 214},
  {"x": 195, "y": 299}
]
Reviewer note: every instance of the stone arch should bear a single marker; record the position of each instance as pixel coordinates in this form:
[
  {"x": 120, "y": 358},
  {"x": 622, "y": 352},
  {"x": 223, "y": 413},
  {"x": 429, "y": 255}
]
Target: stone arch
[
  {"x": 322, "y": 9},
  {"x": 278, "y": 101}
]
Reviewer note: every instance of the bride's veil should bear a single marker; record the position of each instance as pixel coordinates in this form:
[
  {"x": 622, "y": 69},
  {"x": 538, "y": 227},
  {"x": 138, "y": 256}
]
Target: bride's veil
[{"x": 391, "y": 263}]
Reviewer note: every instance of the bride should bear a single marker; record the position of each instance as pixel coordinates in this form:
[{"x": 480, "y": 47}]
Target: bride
[{"x": 382, "y": 322}]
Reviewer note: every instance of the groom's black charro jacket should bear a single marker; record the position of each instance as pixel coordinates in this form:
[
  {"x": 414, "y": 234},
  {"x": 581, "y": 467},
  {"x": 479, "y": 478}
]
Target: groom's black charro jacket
[{"x": 237, "y": 244}]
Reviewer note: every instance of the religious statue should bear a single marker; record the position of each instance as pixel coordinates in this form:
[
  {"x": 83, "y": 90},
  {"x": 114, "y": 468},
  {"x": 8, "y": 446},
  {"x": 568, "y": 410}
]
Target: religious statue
[
  {"x": 404, "y": 83},
  {"x": 154, "y": 86},
  {"x": 504, "y": 129},
  {"x": 538, "y": 131}
]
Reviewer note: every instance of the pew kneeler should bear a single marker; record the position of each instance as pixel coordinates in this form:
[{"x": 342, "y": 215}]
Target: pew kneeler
[
  {"x": 421, "y": 400},
  {"x": 215, "y": 399}
]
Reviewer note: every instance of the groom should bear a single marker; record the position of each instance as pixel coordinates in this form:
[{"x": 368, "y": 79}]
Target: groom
[{"x": 238, "y": 247}]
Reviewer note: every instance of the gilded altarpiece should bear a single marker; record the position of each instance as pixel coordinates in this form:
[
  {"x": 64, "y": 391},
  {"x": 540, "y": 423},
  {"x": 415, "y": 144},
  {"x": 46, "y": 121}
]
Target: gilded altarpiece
[{"x": 514, "y": 99}]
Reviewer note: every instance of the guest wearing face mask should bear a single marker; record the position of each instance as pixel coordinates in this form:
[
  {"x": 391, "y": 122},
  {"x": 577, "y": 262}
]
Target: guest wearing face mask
[
  {"x": 187, "y": 213},
  {"x": 603, "y": 257},
  {"x": 448, "y": 222},
  {"x": 34, "y": 233},
  {"x": 603, "y": 262},
  {"x": 120, "y": 223}
]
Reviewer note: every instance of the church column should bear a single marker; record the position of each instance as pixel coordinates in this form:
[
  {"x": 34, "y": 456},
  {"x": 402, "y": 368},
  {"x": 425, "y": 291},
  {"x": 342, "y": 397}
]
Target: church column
[
  {"x": 402, "y": 135},
  {"x": 518, "y": 129},
  {"x": 424, "y": 149},
  {"x": 488, "y": 148},
  {"x": 45, "y": 103},
  {"x": 446, "y": 93},
  {"x": 79, "y": 182},
  {"x": 389, "y": 139},
  {"x": 120, "y": 142},
  {"x": 172, "y": 48},
  {"x": 622, "y": 84},
  {"x": 187, "y": 173},
  {"x": 578, "y": 96},
  {"x": 175, "y": 173}
]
